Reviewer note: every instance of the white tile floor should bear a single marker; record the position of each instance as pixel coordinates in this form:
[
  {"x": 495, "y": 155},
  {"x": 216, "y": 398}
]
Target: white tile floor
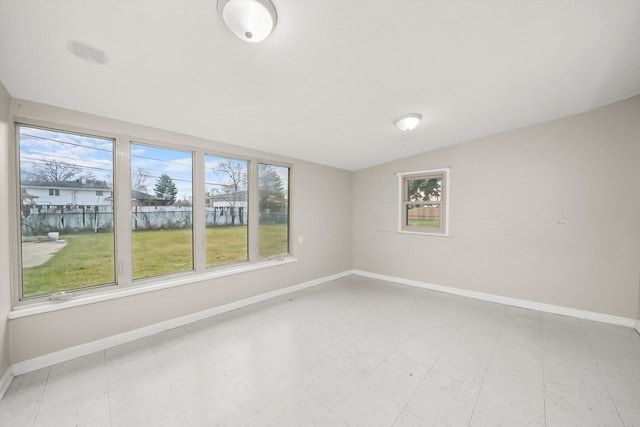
[{"x": 355, "y": 352}]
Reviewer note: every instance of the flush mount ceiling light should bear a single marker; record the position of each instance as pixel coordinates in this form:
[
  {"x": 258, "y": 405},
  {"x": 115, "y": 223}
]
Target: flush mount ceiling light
[
  {"x": 86, "y": 52},
  {"x": 407, "y": 122},
  {"x": 250, "y": 20}
]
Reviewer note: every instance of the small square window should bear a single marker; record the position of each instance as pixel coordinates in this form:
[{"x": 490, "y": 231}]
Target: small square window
[
  {"x": 98, "y": 193},
  {"x": 54, "y": 192},
  {"x": 424, "y": 201}
]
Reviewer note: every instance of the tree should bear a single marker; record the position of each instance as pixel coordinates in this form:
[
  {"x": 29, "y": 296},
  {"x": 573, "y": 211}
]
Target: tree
[
  {"x": 235, "y": 173},
  {"x": 424, "y": 189},
  {"x": 166, "y": 189},
  {"x": 57, "y": 171},
  {"x": 140, "y": 179},
  {"x": 272, "y": 189}
]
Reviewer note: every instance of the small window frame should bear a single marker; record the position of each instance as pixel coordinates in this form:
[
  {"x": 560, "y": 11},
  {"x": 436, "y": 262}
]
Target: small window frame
[{"x": 443, "y": 203}]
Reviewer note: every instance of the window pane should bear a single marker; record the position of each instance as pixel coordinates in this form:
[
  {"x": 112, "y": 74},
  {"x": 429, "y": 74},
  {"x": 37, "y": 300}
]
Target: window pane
[
  {"x": 422, "y": 215},
  {"x": 161, "y": 210},
  {"x": 66, "y": 228},
  {"x": 424, "y": 189},
  {"x": 273, "y": 228},
  {"x": 226, "y": 210}
]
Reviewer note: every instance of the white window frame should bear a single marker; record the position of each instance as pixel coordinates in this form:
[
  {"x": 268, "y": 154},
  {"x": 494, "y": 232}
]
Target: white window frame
[
  {"x": 443, "y": 230},
  {"x": 124, "y": 284}
]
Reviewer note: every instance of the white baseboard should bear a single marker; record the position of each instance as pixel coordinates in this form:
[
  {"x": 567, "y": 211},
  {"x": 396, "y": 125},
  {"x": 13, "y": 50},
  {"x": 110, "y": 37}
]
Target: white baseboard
[
  {"x": 5, "y": 381},
  {"x": 515, "y": 302},
  {"x": 104, "y": 343}
]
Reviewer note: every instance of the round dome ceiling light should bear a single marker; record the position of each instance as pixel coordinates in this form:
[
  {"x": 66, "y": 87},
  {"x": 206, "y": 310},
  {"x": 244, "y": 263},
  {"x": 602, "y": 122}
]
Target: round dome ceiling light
[
  {"x": 250, "y": 20},
  {"x": 407, "y": 122}
]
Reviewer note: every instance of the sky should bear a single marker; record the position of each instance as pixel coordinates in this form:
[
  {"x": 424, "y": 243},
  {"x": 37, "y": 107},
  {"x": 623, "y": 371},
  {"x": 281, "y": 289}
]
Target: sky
[
  {"x": 38, "y": 146},
  {"x": 95, "y": 154},
  {"x": 157, "y": 161}
]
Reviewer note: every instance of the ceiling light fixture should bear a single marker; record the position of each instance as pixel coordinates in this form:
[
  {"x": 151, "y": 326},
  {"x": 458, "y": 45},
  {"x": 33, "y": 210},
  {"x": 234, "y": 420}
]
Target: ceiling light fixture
[
  {"x": 407, "y": 122},
  {"x": 250, "y": 20}
]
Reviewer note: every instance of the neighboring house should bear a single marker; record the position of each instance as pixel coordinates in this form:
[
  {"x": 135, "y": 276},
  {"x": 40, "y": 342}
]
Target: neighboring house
[
  {"x": 79, "y": 193},
  {"x": 66, "y": 193},
  {"x": 138, "y": 198},
  {"x": 27, "y": 198},
  {"x": 227, "y": 200},
  {"x": 231, "y": 206}
]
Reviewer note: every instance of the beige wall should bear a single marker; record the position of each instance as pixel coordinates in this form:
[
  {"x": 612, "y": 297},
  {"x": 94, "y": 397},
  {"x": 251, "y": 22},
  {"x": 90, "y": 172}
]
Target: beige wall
[
  {"x": 638, "y": 315},
  {"x": 5, "y": 277},
  {"x": 321, "y": 202},
  {"x": 506, "y": 192}
]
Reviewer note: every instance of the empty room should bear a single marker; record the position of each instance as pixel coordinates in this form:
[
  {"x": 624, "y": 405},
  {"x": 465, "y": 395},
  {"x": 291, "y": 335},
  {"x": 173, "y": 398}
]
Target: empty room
[{"x": 320, "y": 213}]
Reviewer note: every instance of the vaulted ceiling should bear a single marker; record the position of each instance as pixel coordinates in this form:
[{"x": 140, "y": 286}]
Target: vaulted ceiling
[{"x": 329, "y": 81}]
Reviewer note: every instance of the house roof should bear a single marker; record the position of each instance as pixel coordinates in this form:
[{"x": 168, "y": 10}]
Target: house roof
[
  {"x": 240, "y": 196},
  {"x": 89, "y": 185},
  {"x": 139, "y": 195}
]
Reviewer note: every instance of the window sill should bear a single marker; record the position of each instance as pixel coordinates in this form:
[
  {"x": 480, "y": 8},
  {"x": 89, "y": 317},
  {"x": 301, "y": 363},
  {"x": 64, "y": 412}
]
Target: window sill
[
  {"x": 424, "y": 234},
  {"x": 49, "y": 306}
]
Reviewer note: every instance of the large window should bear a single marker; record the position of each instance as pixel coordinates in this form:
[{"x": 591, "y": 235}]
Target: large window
[
  {"x": 98, "y": 211},
  {"x": 161, "y": 212},
  {"x": 226, "y": 210},
  {"x": 423, "y": 204},
  {"x": 273, "y": 231},
  {"x": 67, "y": 237}
]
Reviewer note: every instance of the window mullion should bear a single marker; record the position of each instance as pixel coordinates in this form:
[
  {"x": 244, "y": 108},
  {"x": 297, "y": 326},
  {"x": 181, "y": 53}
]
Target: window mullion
[
  {"x": 253, "y": 211},
  {"x": 198, "y": 212},
  {"x": 122, "y": 211}
]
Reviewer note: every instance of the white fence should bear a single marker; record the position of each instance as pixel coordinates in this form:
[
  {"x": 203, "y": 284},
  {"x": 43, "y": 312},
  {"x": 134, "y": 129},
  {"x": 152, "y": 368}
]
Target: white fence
[{"x": 40, "y": 220}]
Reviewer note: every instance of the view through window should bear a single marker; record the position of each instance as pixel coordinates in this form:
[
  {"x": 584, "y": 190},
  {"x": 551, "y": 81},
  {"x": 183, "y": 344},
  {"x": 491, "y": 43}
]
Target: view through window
[
  {"x": 70, "y": 210},
  {"x": 162, "y": 216},
  {"x": 424, "y": 202},
  {"x": 226, "y": 210},
  {"x": 273, "y": 229},
  {"x": 66, "y": 211}
]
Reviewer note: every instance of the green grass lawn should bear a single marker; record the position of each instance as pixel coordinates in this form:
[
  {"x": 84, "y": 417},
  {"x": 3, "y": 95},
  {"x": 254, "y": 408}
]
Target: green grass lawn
[
  {"x": 273, "y": 239},
  {"x": 424, "y": 223},
  {"x": 87, "y": 259}
]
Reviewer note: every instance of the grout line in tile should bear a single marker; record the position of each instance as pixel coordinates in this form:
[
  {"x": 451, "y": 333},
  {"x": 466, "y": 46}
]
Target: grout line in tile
[
  {"x": 486, "y": 369},
  {"x": 599, "y": 370},
  {"x": 435, "y": 362},
  {"x": 106, "y": 373},
  {"x": 544, "y": 384}
]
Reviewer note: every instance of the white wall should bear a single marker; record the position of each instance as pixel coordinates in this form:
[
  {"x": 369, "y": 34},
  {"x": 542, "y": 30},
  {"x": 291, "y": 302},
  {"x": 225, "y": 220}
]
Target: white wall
[
  {"x": 321, "y": 203},
  {"x": 506, "y": 192},
  {"x": 5, "y": 277}
]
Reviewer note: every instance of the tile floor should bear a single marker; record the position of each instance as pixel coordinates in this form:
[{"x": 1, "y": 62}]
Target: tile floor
[{"x": 354, "y": 352}]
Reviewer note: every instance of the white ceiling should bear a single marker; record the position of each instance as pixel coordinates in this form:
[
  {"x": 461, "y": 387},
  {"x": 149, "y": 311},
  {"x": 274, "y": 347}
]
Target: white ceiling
[{"x": 328, "y": 83}]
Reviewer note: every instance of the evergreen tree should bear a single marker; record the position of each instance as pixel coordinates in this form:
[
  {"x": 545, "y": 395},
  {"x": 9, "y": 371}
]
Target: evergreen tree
[
  {"x": 272, "y": 189},
  {"x": 166, "y": 189}
]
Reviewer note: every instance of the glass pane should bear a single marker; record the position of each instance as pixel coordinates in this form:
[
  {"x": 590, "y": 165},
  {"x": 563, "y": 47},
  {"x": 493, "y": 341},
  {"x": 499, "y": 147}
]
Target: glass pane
[
  {"x": 66, "y": 226},
  {"x": 422, "y": 215},
  {"x": 161, "y": 211},
  {"x": 226, "y": 210},
  {"x": 424, "y": 189},
  {"x": 273, "y": 227}
]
